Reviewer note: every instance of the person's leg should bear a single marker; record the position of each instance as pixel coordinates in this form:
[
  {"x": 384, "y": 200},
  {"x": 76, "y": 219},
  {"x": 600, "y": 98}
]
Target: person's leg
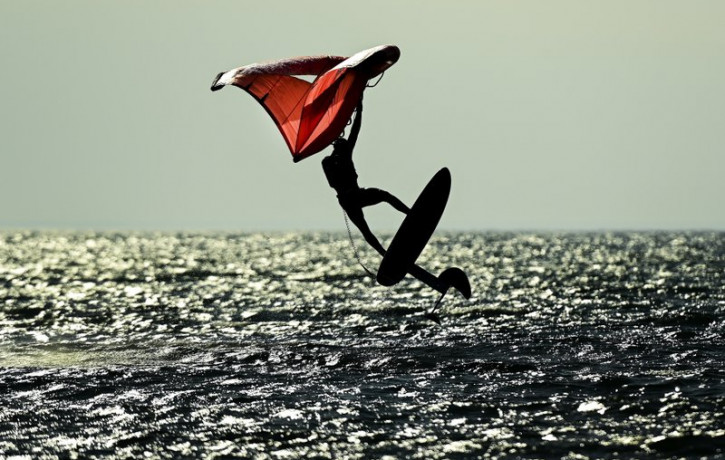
[
  {"x": 373, "y": 196},
  {"x": 352, "y": 205},
  {"x": 355, "y": 214}
]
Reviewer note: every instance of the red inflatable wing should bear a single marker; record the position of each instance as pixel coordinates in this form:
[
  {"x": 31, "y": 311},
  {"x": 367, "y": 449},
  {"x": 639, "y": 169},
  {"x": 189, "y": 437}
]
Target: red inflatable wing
[{"x": 310, "y": 115}]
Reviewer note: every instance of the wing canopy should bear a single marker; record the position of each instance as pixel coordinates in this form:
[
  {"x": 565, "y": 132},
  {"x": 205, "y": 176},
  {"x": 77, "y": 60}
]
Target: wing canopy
[{"x": 310, "y": 115}]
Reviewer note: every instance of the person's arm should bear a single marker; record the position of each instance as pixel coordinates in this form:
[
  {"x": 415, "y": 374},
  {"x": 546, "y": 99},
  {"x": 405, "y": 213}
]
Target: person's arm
[{"x": 355, "y": 130}]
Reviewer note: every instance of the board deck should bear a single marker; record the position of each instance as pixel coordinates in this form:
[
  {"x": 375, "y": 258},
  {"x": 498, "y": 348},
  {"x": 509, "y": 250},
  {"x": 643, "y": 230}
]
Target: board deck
[{"x": 416, "y": 229}]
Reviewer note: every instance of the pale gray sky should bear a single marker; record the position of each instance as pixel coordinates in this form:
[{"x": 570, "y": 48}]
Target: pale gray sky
[{"x": 550, "y": 115}]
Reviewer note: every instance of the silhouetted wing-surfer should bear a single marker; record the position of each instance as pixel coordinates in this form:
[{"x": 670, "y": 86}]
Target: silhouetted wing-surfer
[
  {"x": 312, "y": 115},
  {"x": 341, "y": 175}
]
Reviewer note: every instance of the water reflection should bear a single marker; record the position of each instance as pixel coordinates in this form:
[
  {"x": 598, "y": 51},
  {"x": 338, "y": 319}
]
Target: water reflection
[{"x": 275, "y": 346}]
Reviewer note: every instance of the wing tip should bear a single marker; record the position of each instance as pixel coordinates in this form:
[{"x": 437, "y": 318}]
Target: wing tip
[{"x": 216, "y": 86}]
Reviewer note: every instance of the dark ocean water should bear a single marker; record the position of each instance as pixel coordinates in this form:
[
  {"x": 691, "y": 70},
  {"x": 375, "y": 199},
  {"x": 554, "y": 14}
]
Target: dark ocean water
[{"x": 598, "y": 345}]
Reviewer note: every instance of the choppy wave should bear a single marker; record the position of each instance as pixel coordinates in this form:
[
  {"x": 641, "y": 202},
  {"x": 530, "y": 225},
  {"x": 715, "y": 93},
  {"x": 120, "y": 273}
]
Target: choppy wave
[{"x": 277, "y": 346}]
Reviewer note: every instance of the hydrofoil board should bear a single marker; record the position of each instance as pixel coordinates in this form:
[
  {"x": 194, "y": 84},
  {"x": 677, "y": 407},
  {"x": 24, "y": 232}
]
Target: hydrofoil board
[{"x": 416, "y": 229}]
